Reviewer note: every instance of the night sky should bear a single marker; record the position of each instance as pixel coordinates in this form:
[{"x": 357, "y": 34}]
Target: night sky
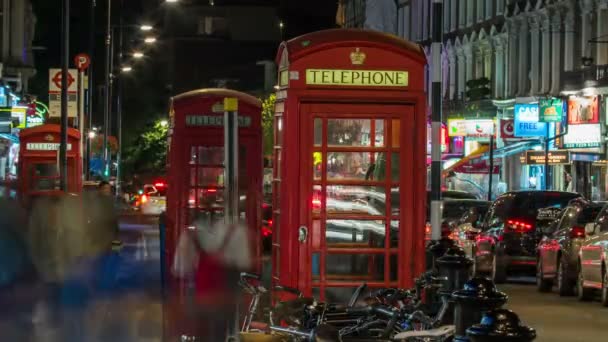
[{"x": 145, "y": 93}]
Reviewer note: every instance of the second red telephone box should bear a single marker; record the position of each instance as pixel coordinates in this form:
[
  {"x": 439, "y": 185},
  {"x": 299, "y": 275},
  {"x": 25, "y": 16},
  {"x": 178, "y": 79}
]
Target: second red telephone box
[{"x": 39, "y": 161}]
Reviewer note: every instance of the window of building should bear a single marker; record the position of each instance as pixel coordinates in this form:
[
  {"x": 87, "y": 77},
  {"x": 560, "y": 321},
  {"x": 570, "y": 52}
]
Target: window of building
[
  {"x": 470, "y": 12},
  {"x": 490, "y": 8},
  {"x": 462, "y": 13},
  {"x": 213, "y": 26},
  {"x": 480, "y": 10},
  {"x": 446, "y": 15},
  {"x": 453, "y": 15}
]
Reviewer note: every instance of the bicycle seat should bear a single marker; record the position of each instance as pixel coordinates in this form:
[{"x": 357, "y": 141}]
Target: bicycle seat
[
  {"x": 443, "y": 331},
  {"x": 294, "y": 291}
]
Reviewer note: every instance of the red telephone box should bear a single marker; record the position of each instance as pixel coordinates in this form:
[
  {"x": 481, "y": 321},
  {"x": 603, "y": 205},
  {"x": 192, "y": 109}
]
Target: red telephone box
[
  {"x": 39, "y": 161},
  {"x": 349, "y": 173},
  {"x": 196, "y": 159},
  {"x": 195, "y": 174}
]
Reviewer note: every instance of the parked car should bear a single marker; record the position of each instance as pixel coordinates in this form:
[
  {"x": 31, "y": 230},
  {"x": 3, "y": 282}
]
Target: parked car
[
  {"x": 557, "y": 262},
  {"x": 153, "y": 201},
  {"x": 592, "y": 272},
  {"x": 510, "y": 231}
]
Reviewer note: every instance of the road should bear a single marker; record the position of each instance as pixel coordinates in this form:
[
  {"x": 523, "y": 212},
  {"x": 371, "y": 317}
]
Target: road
[{"x": 557, "y": 318}]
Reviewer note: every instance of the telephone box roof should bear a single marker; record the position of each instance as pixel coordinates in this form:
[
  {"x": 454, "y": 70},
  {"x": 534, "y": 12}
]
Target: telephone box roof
[
  {"x": 319, "y": 40},
  {"x": 48, "y": 128},
  {"x": 219, "y": 92}
]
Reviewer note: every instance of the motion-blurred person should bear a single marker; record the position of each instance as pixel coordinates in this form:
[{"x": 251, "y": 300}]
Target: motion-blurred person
[
  {"x": 224, "y": 251},
  {"x": 13, "y": 257}
]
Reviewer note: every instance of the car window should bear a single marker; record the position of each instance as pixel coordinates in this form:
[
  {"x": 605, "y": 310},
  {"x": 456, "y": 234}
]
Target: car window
[
  {"x": 568, "y": 218},
  {"x": 497, "y": 213},
  {"x": 526, "y": 205},
  {"x": 602, "y": 220},
  {"x": 588, "y": 215}
]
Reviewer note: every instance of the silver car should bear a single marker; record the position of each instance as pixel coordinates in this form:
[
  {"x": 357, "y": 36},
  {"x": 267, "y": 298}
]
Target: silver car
[
  {"x": 558, "y": 251},
  {"x": 592, "y": 274}
]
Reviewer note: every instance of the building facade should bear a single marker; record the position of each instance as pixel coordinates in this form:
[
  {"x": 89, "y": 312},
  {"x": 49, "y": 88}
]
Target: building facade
[{"x": 502, "y": 57}]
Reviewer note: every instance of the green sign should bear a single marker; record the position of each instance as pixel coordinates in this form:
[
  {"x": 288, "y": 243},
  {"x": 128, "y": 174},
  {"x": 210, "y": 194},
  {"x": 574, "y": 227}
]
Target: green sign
[{"x": 551, "y": 110}]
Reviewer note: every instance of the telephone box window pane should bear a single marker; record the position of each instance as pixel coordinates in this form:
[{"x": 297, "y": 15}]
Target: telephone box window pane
[
  {"x": 395, "y": 201},
  {"x": 279, "y": 133},
  {"x": 210, "y": 199},
  {"x": 211, "y": 176},
  {"x": 355, "y": 233},
  {"x": 395, "y": 166},
  {"x": 348, "y": 132},
  {"x": 318, "y": 131},
  {"x": 211, "y": 155},
  {"x": 396, "y": 133},
  {"x": 354, "y": 267},
  {"x": 207, "y": 218},
  {"x": 316, "y": 199},
  {"x": 317, "y": 165},
  {"x": 341, "y": 294},
  {"x": 354, "y": 199},
  {"x": 394, "y": 267},
  {"x": 348, "y": 165},
  {"x": 316, "y": 293},
  {"x": 378, "y": 171},
  {"x": 45, "y": 177},
  {"x": 394, "y": 234},
  {"x": 192, "y": 199},
  {"x": 192, "y": 176},
  {"x": 316, "y": 265},
  {"x": 379, "y": 133},
  {"x": 193, "y": 155}
]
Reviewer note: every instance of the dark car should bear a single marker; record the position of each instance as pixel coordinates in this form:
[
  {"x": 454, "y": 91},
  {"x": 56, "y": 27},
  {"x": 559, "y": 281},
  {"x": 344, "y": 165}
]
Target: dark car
[
  {"x": 510, "y": 231},
  {"x": 452, "y": 210},
  {"x": 558, "y": 251}
]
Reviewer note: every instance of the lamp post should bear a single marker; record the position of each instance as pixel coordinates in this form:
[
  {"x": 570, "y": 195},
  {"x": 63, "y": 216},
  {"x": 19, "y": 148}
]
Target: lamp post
[
  {"x": 65, "y": 54},
  {"x": 107, "y": 98}
]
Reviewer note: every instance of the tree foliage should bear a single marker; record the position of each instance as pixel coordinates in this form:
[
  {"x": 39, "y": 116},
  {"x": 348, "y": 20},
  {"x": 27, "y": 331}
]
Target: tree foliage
[
  {"x": 148, "y": 153},
  {"x": 268, "y": 123}
]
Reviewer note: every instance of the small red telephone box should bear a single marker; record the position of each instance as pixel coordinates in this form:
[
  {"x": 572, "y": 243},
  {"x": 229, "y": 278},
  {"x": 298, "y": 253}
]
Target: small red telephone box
[
  {"x": 39, "y": 161},
  {"x": 349, "y": 173}
]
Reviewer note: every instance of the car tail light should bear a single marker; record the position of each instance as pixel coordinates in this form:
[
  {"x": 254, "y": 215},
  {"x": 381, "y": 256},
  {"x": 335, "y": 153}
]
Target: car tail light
[
  {"x": 427, "y": 228},
  {"x": 144, "y": 199},
  {"x": 445, "y": 229},
  {"x": 269, "y": 223},
  {"x": 519, "y": 226},
  {"x": 577, "y": 232},
  {"x": 266, "y": 232},
  {"x": 159, "y": 185}
]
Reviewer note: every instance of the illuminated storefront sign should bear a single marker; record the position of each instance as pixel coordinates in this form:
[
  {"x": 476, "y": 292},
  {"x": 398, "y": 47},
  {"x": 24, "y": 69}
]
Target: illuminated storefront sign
[
  {"x": 384, "y": 78},
  {"x": 555, "y": 157},
  {"x": 33, "y": 121},
  {"x": 583, "y": 136},
  {"x": 482, "y": 128},
  {"x": 551, "y": 110},
  {"x": 583, "y": 110},
  {"x": 444, "y": 139},
  {"x": 19, "y": 113},
  {"x": 526, "y": 121}
]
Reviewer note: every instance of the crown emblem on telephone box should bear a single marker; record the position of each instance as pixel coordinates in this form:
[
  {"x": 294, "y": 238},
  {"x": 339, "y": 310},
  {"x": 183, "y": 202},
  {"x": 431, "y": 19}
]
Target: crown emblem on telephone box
[{"x": 357, "y": 57}]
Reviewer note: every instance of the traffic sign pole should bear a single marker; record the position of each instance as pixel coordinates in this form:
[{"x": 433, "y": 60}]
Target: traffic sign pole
[
  {"x": 82, "y": 62},
  {"x": 63, "y": 155}
]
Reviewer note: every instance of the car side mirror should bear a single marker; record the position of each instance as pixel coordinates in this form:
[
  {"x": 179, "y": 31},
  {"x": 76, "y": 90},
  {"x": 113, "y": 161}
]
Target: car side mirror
[{"x": 590, "y": 228}]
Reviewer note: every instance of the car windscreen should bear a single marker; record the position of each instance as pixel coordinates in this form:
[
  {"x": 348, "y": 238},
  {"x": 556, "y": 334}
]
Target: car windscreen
[{"x": 161, "y": 191}]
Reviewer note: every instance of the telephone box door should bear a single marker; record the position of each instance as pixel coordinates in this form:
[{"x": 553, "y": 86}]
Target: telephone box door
[{"x": 352, "y": 227}]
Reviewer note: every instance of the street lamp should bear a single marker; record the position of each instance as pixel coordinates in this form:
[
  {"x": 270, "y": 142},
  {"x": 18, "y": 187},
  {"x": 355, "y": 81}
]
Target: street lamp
[
  {"x": 126, "y": 68},
  {"x": 164, "y": 123},
  {"x": 150, "y": 40},
  {"x": 92, "y": 134},
  {"x": 171, "y": 1},
  {"x": 138, "y": 55},
  {"x": 145, "y": 27}
]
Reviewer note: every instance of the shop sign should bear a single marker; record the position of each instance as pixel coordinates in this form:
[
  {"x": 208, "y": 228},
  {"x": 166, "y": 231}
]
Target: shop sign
[
  {"x": 19, "y": 113},
  {"x": 33, "y": 121},
  {"x": 365, "y": 78},
  {"x": 3, "y": 97},
  {"x": 526, "y": 121},
  {"x": 444, "y": 139},
  {"x": 551, "y": 110},
  {"x": 557, "y": 157},
  {"x": 483, "y": 128},
  {"x": 583, "y": 136},
  {"x": 45, "y": 146},
  {"x": 507, "y": 130},
  {"x": 213, "y": 121},
  {"x": 583, "y": 110}
]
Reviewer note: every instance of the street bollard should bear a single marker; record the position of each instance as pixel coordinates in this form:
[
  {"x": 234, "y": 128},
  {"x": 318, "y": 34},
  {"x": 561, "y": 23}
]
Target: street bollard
[
  {"x": 500, "y": 325},
  {"x": 478, "y": 296},
  {"x": 455, "y": 268},
  {"x": 435, "y": 250}
]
